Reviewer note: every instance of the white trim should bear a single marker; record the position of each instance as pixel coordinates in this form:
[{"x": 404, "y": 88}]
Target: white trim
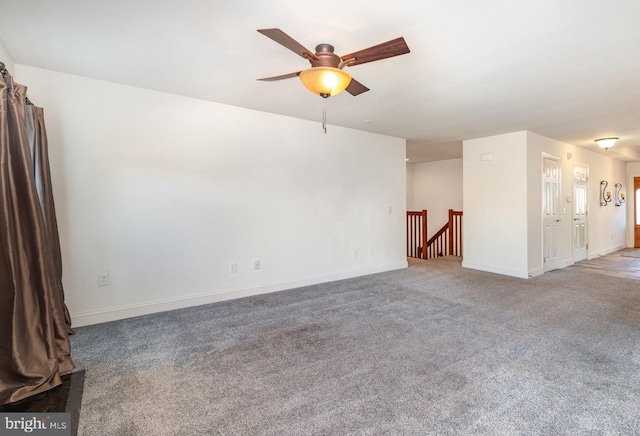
[
  {"x": 496, "y": 270},
  {"x": 567, "y": 262},
  {"x": 606, "y": 251},
  {"x": 631, "y": 208},
  {"x": 573, "y": 208},
  {"x": 146, "y": 308},
  {"x": 558, "y": 159},
  {"x": 536, "y": 272}
]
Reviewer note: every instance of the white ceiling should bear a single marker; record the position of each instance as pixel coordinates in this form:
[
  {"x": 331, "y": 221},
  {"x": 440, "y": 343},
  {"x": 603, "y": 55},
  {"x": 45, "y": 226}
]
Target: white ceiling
[{"x": 566, "y": 69}]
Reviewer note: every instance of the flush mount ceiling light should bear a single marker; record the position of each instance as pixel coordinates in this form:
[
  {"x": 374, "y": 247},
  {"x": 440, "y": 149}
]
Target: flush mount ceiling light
[
  {"x": 325, "y": 81},
  {"x": 606, "y": 143}
]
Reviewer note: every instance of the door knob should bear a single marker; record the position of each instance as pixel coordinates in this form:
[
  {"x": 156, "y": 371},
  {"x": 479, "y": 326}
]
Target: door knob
[{"x": 558, "y": 221}]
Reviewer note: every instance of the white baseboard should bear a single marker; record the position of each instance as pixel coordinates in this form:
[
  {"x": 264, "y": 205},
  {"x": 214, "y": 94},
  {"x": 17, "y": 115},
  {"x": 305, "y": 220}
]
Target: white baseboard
[
  {"x": 536, "y": 272},
  {"x": 566, "y": 262},
  {"x": 128, "y": 311},
  {"x": 604, "y": 252},
  {"x": 496, "y": 270}
]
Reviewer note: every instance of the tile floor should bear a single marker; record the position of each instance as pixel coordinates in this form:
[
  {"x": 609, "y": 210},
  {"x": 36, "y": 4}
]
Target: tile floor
[{"x": 617, "y": 264}]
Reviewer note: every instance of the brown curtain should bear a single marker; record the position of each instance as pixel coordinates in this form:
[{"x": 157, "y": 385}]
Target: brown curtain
[{"x": 34, "y": 321}]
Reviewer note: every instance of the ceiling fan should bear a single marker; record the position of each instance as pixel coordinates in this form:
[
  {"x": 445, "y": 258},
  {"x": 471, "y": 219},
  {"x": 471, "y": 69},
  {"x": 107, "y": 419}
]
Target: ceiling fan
[{"x": 326, "y": 76}]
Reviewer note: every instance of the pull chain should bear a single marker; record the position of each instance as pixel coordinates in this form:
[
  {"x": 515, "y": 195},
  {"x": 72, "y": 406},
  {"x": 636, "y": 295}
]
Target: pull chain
[{"x": 324, "y": 116}]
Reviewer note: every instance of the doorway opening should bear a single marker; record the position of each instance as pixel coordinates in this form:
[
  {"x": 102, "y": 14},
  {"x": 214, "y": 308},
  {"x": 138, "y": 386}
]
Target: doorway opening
[
  {"x": 580, "y": 207},
  {"x": 550, "y": 212}
]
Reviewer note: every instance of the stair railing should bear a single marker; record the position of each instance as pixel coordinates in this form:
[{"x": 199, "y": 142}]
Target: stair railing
[
  {"x": 445, "y": 242},
  {"x": 417, "y": 234},
  {"x": 437, "y": 245},
  {"x": 455, "y": 232}
]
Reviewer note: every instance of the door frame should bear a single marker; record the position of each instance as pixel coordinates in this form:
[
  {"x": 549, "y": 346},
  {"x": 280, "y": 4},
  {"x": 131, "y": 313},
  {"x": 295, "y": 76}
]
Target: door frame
[
  {"x": 573, "y": 210},
  {"x": 542, "y": 205},
  {"x": 635, "y": 211}
]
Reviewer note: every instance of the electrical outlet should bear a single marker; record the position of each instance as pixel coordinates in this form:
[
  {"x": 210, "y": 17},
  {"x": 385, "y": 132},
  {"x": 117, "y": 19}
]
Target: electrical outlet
[
  {"x": 370, "y": 251},
  {"x": 103, "y": 279},
  {"x": 256, "y": 264},
  {"x": 355, "y": 253},
  {"x": 233, "y": 267}
]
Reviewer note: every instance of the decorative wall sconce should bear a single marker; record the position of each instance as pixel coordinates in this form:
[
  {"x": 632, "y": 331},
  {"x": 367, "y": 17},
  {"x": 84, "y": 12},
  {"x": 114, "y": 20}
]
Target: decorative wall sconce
[
  {"x": 619, "y": 195},
  {"x": 605, "y": 196}
]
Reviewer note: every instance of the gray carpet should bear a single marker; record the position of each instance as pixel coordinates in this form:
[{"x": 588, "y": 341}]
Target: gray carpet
[{"x": 433, "y": 349}]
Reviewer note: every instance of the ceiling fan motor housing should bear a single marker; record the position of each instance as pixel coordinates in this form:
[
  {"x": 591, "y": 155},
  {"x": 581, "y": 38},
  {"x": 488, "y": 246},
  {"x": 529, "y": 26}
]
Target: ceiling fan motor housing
[{"x": 326, "y": 56}]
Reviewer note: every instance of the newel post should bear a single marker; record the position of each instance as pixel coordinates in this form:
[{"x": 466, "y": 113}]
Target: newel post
[
  {"x": 425, "y": 239},
  {"x": 450, "y": 241}
]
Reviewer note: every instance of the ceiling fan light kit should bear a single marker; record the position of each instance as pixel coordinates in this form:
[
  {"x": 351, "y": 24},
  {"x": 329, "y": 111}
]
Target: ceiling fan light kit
[{"x": 325, "y": 81}]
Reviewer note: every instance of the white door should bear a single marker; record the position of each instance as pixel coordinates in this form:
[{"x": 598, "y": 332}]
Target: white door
[
  {"x": 580, "y": 178},
  {"x": 550, "y": 213}
]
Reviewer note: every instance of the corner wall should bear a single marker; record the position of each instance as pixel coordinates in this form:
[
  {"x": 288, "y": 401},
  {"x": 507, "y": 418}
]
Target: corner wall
[
  {"x": 164, "y": 192},
  {"x": 495, "y": 204}
]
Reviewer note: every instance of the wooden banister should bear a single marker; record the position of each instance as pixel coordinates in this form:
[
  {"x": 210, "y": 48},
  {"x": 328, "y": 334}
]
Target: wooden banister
[
  {"x": 448, "y": 240},
  {"x": 437, "y": 243},
  {"x": 455, "y": 232},
  {"x": 445, "y": 242},
  {"x": 417, "y": 234}
]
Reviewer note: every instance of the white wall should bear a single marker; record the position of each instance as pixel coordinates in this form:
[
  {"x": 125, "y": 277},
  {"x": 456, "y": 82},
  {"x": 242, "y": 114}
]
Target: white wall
[
  {"x": 606, "y": 224},
  {"x": 495, "y": 204},
  {"x": 163, "y": 192},
  {"x": 437, "y": 187},
  {"x": 6, "y": 58},
  {"x": 410, "y": 190},
  {"x": 503, "y": 203}
]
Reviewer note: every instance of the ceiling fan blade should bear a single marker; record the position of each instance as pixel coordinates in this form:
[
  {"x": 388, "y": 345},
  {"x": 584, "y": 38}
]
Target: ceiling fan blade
[
  {"x": 284, "y": 76},
  {"x": 282, "y": 38},
  {"x": 395, "y": 47},
  {"x": 356, "y": 88}
]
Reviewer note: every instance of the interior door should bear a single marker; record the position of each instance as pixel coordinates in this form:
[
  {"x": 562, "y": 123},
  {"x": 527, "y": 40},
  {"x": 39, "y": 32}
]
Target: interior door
[
  {"x": 550, "y": 212},
  {"x": 636, "y": 200},
  {"x": 580, "y": 178}
]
